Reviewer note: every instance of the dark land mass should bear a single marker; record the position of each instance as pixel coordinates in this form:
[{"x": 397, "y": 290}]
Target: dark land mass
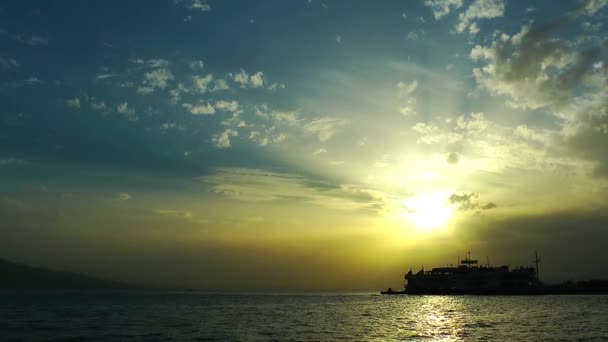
[{"x": 19, "y": 276}]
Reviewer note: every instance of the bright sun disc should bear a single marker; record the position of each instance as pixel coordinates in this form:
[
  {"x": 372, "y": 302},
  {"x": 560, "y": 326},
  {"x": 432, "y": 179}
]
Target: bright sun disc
[{"x": 428, "y": 211}]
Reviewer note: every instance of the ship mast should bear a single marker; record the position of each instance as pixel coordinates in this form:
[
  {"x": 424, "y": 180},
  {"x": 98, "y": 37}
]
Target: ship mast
[{"x": 537, "y": 261}]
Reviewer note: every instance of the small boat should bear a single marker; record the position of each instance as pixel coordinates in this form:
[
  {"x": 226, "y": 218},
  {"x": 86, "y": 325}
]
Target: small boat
[{"x": 391, "y": 292}]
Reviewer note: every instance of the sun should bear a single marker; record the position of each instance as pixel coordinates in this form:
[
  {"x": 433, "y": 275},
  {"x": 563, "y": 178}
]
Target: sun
[{"x": 428, "y": 211}]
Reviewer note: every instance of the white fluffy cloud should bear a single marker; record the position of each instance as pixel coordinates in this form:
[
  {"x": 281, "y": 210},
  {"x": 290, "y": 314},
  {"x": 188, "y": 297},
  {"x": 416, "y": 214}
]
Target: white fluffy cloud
[
  {"x": 479, "y": 9},
  {"x": 441, "y": 8},
  {"x": 244, "y": 80},
  {"x": 201, "y": 83},
  {"x": 155, "y": 79},
  {"x": 535, "y": 70},
  {"x": 222, "y": 140},
  {"x": 73, "y": 103},
  {"x": 199, "y": 109},
  {"x": 256, "y": 80},
  {"x": 229, "y": 106},
  {"x": 128, "y": 112},
  {"x": 291, "y": 118},
  {"x": 220, "y": 84}
]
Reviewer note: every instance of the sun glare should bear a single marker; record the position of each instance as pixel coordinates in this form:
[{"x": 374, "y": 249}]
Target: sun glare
[{"x": 428, "y": 211}]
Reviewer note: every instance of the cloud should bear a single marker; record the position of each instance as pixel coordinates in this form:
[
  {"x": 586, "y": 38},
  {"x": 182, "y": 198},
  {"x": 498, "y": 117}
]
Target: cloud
[
  {"x": 275, "y": 86},
  {"x": 73, "y": 103},
  {"x": 241, "y": 78},
  {"x": 229, "y": 106},
  {"x": 183, "y": 214},
  {"x": 442, "y": 8},
  {"x": 128, "y": 112},
  {"x": 201, "y": 83},
  {"x": 124, "y": 196},
  {"x": 196, "y": 65},
  {"x": 27, "y": 39},
  {"x": 591, "y": 7},
  {"x": 244, "y": 80},
  {"x": 222, "y": 140},
  {"x": 170, "y": 126},
  {"x": 409, "y": 108},
  {"x": 319, "y": 151},
  {"x": 473, "y": 123},
  {"x": 407, "y": 88},
  {"x": 537, "y": 68},
  {"x": 480, "y": 9},
  {"x": 291, "y": 118},
  {"x": 254, "y": 185},
  {"x": 338, "y": 39},
  {"x": 155, "y": 79},
  {"x": 200, "y": 109},
  {"x": 431, "y": 134},
  {"x": 466, "y": 202},
  {"x": 152, "y": 63},
  {"x": 98, "y": 105},
  {"x": 33, "y": 40},
  {"x": 8, "y": 63},
  {"x": 32, "y": 81},
  {"x": 256, "y": 80},
  {"x": 176, "y": 93},
  {"x": 258, "y": 138},
  {"x": 266, "y": 137},
  {"x": 104, "y": 76},
  {"x": 465, "y": 126},
  {"x": 12, "y": 162},
  {"x": 413, "y": 35},
  {"x": 453, "y": 158},
  {"x": 220, "y": 84},
  {"x": 196, "y": 5},
  {"x": 325, "y": 128}
]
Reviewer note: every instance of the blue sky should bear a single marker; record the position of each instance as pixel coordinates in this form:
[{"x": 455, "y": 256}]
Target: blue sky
[{"x": 392, "y": 128}]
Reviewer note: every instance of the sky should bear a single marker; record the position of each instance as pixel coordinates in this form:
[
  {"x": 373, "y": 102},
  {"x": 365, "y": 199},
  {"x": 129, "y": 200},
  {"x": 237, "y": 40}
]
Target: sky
[{"x": 303, "y": 145}]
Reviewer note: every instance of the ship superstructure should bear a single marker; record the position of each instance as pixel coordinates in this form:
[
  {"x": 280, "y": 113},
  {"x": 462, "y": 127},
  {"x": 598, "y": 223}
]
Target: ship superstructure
[{"x": 469, "y": 277}]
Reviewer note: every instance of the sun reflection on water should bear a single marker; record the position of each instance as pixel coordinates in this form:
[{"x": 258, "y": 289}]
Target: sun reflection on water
[{"x": 440, "y": 318}]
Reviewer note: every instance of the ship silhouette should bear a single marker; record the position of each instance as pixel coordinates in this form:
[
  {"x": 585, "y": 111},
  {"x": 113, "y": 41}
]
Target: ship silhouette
[{"x": 471, "y": 278}]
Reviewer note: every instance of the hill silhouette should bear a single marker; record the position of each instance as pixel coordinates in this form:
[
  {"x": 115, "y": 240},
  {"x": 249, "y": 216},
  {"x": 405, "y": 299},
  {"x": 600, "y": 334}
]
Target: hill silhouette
[{"x": 19, "y": 276}]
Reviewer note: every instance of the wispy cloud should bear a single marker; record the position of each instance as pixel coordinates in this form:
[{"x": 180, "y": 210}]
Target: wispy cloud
[{"x": 261, "y": 185}]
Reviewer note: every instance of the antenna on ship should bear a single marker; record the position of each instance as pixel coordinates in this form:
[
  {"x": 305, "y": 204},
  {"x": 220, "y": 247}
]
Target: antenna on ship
[
  {"x": 487, "y": 261},
  {"x": 537, "y": 261}
]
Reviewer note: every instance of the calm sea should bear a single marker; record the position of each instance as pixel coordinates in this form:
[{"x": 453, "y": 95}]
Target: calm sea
[{"x": 191, "y": 316}]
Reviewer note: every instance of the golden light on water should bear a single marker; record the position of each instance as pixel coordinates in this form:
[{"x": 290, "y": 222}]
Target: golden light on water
[{"x": 428, "y": 211}]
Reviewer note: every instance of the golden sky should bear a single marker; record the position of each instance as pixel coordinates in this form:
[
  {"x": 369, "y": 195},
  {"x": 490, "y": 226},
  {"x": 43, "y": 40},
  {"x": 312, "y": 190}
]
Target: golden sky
[{"x": 310, "y": 146}]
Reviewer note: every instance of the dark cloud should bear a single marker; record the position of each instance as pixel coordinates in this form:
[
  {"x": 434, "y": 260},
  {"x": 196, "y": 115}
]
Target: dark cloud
[
  {"x": 469, "y": 201},
  {"x": 453, "y": 158},
  {"x": 570, "y": 78},
  {"x": 572, "y": 244},
  {"x": 488, "y": 206},
  {"x": 591, "y": 138}
]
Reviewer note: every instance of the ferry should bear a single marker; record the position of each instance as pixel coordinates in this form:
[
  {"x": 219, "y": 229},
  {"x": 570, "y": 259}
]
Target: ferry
[{"x": 470, "y": 277}]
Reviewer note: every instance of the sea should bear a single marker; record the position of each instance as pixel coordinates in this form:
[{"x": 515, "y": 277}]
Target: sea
[{"x": 134, "y": 315}]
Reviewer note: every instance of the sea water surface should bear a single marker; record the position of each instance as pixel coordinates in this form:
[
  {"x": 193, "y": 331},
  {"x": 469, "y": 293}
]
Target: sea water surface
[{"x": 192, "y": 316}]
